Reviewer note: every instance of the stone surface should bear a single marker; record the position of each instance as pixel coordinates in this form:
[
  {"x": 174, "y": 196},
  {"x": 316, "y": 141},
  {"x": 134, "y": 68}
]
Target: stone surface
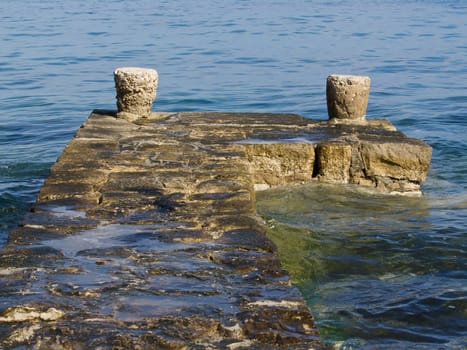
[
  {"x": 386, "y": 158},
  {"x": 276, "y": 164},
  {"x": 333, "y": 161},
  {"x": 347, "y": 97},
  {"x": 136, "y": 91},
  {"x": 145, "y": 234}
]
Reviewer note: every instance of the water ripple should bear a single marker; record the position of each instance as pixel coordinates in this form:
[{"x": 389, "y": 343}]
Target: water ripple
[{"x": 56, "y": 66}]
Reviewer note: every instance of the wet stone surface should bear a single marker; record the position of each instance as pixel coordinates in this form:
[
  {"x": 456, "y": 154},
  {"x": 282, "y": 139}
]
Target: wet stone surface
[{"x": 145, "y": 235}]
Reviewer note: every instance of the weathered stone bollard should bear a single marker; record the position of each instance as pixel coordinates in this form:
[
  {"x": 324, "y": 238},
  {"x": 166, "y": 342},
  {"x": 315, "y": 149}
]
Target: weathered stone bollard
[
  {"x": 136, "y": 91},
  {"x": 347, "y": 97}
]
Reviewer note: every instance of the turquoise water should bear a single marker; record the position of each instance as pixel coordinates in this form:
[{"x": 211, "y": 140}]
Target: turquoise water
[{"x": 375, "y": 270}]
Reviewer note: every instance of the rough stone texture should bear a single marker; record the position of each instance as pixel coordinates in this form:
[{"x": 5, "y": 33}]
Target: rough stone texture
[
  {"x": 136, "y": 91},
  {"x": 347, "y": 97},
  {"x": 387, "y": 159},
  {"x": 278, "y": 164},
  {"x": 145, "y": 234},
  {"x": 333, "y": 161}
]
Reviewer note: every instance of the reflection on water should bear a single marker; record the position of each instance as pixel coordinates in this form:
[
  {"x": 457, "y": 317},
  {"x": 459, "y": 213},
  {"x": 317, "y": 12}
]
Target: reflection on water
[{"x": 375, "y": 269}]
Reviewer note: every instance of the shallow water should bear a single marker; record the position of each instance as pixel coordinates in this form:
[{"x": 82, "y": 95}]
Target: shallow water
[{"x": 374, "y": 269}]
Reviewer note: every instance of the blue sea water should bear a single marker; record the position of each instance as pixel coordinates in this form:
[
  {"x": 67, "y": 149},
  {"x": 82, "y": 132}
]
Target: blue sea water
[{"x": 377, "y": 271}]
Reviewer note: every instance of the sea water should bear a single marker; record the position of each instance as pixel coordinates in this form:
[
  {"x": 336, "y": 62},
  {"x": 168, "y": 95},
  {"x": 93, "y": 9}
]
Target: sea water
[{"x": 377, "y": 271}]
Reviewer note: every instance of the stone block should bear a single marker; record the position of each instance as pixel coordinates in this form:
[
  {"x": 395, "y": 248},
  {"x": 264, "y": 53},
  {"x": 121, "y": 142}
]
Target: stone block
[
  {"x": 277, "y": 164},
  {"x": 333, "y": 160},
  {"x": 396, "y": 160}
]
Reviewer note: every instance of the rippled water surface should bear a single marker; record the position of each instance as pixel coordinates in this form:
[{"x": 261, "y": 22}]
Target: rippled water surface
[
  {"x": 375, "y": 270},
  {"x": 379, "y": 272}
]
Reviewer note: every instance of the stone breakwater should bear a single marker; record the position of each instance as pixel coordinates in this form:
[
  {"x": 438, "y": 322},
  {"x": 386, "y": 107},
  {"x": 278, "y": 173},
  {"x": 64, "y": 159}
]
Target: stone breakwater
[{"x": 145, "y": 233}]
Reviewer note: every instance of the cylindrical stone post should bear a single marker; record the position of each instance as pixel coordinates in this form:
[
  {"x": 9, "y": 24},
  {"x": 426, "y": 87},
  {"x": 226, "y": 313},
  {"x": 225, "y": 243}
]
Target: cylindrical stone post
[
  {"x": 136, "y": 91},
  {"x": 347, "y": 97}
]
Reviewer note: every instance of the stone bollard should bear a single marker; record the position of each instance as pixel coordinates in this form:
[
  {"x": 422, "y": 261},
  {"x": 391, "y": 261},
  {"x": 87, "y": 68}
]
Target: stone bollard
[
  {"x": 347, "y": 97},
  {"x": 136, "y": 91}
]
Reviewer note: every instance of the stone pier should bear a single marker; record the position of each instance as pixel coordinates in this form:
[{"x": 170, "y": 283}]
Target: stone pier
[{"x": 145, "y": 234}]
